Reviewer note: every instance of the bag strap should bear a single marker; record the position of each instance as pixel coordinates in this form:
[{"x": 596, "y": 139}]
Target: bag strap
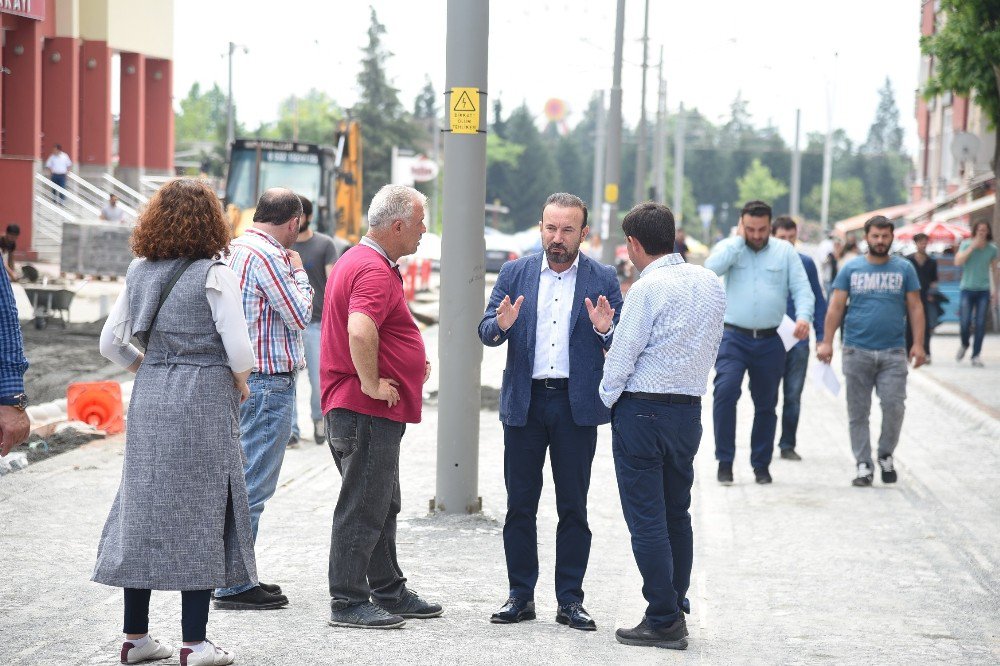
[{"x": 164, "y": 293}]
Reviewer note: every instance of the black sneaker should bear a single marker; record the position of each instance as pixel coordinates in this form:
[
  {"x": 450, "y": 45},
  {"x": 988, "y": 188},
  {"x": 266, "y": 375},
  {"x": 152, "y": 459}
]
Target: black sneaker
[
  {"x": 293, "y": 442},
  {"x": 411, "y": 606},
  {"x": 864, "y": 477},
  {"x": 888, "y": 469},
  {"x": 365, "y": 615},
  {"x": 253, "y": 599},
  {"x": 673, "y": 637},
  {"x": 725, "y": 475},
  {"x": 762, "y": 475},
  {"x": 319, "y": 431},
  {"x": 790, "y": 454}
]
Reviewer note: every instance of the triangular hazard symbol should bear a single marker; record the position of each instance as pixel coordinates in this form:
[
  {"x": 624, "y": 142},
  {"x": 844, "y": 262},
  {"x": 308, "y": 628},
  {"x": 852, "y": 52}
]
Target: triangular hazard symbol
[{"x": 464, "y": 103}]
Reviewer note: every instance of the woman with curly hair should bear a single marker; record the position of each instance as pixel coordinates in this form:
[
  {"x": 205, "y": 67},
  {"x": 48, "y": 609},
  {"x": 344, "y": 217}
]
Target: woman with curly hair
[{"x": 181, "y": 519}]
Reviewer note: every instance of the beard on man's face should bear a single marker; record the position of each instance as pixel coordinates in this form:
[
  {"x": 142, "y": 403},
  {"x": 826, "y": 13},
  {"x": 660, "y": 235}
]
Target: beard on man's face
[
  {"x": 559, "y": 253},
  {"x": 879, "y": 249}
]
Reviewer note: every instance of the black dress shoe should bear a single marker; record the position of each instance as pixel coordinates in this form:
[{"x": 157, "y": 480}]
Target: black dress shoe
[
  {"x": 253, "y": 599},
  {"x": 576, "y": 616},
  {"x": 790, "y": 454},
  {"x": 725, "y": 475},
  {"x": 762, "y": 475},
  {"x": 270, "y": 588},
  {"x": 673, "y": 637},
  {"x": 514, "y": 610}
]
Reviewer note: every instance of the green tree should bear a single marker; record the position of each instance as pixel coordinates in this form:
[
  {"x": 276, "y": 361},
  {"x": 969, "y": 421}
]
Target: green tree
[
  {"x": 311, "y": 118},
  {"x": 847, "y": 198},
  {"x": 200, "y": 127},
  {"x": 534, "y": 178},
  {"x": 384, "y": 123},
  {"x": 758, "y": 183},
  {"x": 883, "y": 162},
  {"x": 502, "y": 153},
  {"x": 966, "y": 53},
  {"x": 426, "y": 105}
]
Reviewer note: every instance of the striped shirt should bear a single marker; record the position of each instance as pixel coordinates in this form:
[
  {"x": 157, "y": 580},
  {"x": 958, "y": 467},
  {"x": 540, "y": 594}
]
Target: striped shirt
[
  {"x": 277, "y": 301},
  {"x": 669, "y": 332},
  {"x": 12, "y": 361}
]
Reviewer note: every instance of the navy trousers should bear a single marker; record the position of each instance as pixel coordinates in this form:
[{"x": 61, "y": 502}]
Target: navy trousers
[
  {"x": 764, "y": 360},
  {"x": 571, "y": 451},
  {"x": 654, "y": 445}
]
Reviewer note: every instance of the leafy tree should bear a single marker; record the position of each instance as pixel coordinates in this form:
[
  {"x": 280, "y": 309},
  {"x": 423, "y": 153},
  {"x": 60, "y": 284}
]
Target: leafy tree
[
  {"x": 966, "y": 53},
  {"x": 426, "y": 104},
  {"x": 200, "y": 127},
  {"x": 885, "y": 134},
  {"x": 502, "y": 153},
  {"x": 311, "y": 118},
  {"x": 384, "y": 123},
  {"x": 534, "y": 178},
  {"x": 572, "y": 177},
  {"x": 847, "y": 198},
  {"x": 884, "y": 164},
  {"x": 758, "y": 183}
]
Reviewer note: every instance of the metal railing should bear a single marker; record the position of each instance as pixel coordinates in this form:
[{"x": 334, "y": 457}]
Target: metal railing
[
  {"x": 125, "y": 194},
  {"x": 150, "y": 184},
  {"x": 74, "y": 204},
  {"x": 46, "y": 229},
  {"x": 98, "y": 197}
]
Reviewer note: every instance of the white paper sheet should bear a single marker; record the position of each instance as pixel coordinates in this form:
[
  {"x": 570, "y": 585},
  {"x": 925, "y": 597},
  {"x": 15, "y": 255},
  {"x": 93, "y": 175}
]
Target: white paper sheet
[
  {"x": 824, "y": 377},
  {"x": 786, "y": 330}
]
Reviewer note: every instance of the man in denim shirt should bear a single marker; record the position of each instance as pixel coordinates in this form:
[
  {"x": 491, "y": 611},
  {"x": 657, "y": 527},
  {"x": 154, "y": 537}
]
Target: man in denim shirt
[
  {"x": 883, "y": 291},
  {"x": 759, "y": 272}
]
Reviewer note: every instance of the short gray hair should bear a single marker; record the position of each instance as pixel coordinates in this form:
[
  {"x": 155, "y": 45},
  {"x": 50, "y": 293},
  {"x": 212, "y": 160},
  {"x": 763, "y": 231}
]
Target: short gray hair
[{"x": 393, "y": 202}]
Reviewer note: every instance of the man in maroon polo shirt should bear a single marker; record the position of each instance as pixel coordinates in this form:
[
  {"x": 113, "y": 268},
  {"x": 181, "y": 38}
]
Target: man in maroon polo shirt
[{"x": 372, "y": 367}]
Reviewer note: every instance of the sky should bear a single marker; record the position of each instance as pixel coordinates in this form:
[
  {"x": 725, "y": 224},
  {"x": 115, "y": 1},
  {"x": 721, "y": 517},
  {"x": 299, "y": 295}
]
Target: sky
[{"x": 780, "y": 55}]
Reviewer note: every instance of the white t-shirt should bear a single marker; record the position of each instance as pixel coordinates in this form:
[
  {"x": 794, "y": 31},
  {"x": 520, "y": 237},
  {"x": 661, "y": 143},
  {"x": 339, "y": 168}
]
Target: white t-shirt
[
  {"x": 112, "y": 213},
  {"x": 58, "y": 164}
]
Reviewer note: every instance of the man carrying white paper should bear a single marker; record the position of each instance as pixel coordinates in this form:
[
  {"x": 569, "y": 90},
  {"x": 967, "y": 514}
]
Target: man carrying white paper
[{"x": 883, "y": 291}]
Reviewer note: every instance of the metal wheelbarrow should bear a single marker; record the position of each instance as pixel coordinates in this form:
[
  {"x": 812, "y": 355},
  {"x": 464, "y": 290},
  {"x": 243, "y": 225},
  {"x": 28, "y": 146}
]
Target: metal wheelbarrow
[{"x": 50, "y": 302}]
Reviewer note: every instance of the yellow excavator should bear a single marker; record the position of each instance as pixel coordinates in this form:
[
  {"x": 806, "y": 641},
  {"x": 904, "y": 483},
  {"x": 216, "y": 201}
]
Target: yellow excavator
[{"x": 329, "y": 176}]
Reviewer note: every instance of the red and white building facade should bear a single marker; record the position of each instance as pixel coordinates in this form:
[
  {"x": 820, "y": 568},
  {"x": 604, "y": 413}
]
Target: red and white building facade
[{"x": 56, "y": 69}]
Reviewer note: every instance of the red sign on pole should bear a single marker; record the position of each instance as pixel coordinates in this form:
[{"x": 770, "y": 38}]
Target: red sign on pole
[{"x": 33, "y": 9}]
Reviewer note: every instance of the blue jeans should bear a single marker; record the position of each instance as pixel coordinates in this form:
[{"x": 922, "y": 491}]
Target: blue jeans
[
  {"x": 265, "y": 425},
  {"x": 654, "y": 445},
  {"x": 310, "y": 339},
  {"x": 972, "y": 309},
  {"x": 764, "y": 360},
  {"x": 571, "y": 451},
  {"x": 796, "y": 362}
]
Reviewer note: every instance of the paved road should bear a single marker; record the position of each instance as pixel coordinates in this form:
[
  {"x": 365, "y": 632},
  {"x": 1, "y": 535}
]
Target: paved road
[{"x": 807, "y": 570}]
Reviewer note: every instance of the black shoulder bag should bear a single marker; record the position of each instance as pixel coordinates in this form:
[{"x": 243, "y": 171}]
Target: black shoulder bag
[{"x": 143, "y": 336}]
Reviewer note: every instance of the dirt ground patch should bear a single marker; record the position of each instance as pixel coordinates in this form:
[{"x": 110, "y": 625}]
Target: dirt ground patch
[{"x": 59, "y": 357}]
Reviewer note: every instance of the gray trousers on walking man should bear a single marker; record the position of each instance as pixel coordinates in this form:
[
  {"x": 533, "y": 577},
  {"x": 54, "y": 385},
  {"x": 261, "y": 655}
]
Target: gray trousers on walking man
[
  {"x": 885, "y": 371},
  {"x": 363, "y": 541}
]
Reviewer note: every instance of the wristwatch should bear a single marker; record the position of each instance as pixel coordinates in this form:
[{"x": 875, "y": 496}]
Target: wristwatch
[{"x": 19, "y": 400}]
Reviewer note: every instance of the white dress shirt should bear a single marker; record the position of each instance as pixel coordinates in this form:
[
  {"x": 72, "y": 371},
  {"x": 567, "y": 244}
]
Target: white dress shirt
[
  {"x": 668, "y": 334},
  {"x": 58, "y": 164},
  {"x": 555, "y": 307}
]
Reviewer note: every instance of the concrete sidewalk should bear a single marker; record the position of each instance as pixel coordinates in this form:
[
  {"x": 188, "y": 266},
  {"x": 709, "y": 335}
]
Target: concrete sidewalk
[{"x": 806, "y": 570}]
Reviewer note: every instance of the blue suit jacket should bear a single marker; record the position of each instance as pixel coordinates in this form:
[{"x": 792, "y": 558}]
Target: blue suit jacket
[{"x": 586, "y": 348}]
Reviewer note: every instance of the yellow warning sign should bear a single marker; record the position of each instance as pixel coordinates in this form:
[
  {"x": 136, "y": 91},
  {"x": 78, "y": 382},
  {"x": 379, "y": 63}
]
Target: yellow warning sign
[
  {"x": 464, "y": 113},
  {"x": 611, "y": 193}
]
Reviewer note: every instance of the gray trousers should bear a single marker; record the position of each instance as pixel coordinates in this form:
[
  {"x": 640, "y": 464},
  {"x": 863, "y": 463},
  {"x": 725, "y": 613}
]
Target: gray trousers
[
  {"x": 884, "y": 370},
  {"x": 363, "y": 539}
]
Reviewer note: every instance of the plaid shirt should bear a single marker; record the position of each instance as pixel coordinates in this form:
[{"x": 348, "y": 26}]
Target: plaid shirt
[
  {"x": 12, "y": 360},
  {"x": 277, "y": 301}
]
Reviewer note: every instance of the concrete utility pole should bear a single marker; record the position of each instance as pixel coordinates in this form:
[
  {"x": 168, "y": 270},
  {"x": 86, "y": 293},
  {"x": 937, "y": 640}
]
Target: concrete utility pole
[
  {"x": 796, "y": 169},
  {"x": 639, "y": 191},
  {"x": 612, "y": 169},
  {"x": 678, "y": 209},
  {"x": 660, "y": 147},
  {"x": 230, "y": 128},
  {"x": 462, "y": 280},
  {"x": 824, "y": 215},
  {"x": 597, "y": 197}
]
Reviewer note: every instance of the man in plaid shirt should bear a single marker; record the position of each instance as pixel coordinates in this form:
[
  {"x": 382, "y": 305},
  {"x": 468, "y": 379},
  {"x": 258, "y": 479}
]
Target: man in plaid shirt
[
  {"x": 277, "y": 303},
  {"x": 14, "y": 424}
]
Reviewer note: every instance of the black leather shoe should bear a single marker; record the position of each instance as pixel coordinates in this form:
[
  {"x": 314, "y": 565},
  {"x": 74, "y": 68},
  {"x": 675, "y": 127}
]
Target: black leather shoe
[
  {"x": 762, "y": 475},
  {"x": 253, "y": 599},
  {"x": 270, "y": 588},
  {"x": 514, "y": 610},
  {"x": 725, "y": 475},
  {"x": 790, "y": 454},
  {"x": 576, "y": 616},
  {"x": 673, "y": 637}
]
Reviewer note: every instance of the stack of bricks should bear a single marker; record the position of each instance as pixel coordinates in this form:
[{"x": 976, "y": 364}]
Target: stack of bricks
[{"x": 94, "y": 248}]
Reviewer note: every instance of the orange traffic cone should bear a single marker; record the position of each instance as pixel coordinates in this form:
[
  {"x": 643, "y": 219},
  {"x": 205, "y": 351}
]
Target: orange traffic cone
[{"x": 96, "y": 403}]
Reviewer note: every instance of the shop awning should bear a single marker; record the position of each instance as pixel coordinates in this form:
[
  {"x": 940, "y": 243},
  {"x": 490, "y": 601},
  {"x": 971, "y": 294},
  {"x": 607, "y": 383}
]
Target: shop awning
[
  {"x": 960, "y": 211},
  {"x": 892, "y": 213}
]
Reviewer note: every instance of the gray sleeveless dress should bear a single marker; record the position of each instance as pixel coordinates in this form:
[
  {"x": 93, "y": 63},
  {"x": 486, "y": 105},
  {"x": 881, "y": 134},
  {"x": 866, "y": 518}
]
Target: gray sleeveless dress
[{"x": 181, "y": 520}]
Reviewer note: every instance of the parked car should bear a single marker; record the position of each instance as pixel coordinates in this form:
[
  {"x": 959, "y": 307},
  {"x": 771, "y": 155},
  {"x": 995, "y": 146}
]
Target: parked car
[{"x": 500, "y": 248}]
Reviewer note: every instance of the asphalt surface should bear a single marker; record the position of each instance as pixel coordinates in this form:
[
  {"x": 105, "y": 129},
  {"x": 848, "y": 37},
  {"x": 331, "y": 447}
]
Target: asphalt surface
[{"x": 807, "y": 570}]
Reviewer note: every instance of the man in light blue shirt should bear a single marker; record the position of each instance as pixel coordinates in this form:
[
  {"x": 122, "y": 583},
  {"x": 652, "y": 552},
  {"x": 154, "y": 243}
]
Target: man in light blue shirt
[{"x": 760, "y": 273}]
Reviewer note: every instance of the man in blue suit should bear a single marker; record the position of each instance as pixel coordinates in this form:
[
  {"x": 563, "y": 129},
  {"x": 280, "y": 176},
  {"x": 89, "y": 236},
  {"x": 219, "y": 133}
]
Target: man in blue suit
[{"x": 549, "y": 400}]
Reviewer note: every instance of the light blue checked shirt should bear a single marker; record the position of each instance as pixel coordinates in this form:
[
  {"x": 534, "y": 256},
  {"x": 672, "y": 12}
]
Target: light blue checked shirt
[
  {"x": 669, "y": 332},
  {"x": 13, "y": 364},
  {"x": 758, "y": 283}
]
